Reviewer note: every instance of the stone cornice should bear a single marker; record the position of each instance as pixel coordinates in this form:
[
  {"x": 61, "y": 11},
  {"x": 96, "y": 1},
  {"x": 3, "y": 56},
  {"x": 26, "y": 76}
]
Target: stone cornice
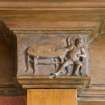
[
  {"x": 52, "y": 5},
  {"x": 95, "y": 92}
]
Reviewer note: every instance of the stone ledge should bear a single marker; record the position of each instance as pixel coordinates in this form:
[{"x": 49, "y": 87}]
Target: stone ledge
[
  {"x": 13, "y": 89},
  {"x": 64, "y": 82},
  {"x": 51, "y": 4},
  {"x": 95, "y": 92}
]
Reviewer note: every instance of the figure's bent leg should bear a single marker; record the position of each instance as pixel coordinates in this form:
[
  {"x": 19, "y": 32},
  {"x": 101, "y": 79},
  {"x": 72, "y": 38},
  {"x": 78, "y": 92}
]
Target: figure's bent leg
[
  {"x": 62, "y": 70},
  {"x": 78, "y": 67}
]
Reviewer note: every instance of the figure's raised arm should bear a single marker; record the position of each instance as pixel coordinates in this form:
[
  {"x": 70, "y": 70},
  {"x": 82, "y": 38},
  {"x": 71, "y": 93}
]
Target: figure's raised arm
[{"x": 83, "y": 53}]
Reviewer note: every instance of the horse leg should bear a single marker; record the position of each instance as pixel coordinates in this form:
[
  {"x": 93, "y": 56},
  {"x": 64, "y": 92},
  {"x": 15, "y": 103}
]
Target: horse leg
[
  {"x": 57, "y": 61},
  {"x": 35, "y": 64},
  {"x": 27, "y": 62}
]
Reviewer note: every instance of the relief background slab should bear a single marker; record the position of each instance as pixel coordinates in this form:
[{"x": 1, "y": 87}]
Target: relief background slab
[{"x": 44, "y": 39}]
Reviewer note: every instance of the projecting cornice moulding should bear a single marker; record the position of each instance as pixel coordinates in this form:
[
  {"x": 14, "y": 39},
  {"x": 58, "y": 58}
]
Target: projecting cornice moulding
[{"x": 52, "y": 5}]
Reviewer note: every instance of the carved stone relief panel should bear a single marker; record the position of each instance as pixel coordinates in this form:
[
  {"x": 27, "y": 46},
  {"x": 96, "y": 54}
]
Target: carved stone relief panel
[{"x": 52, "y": 54}]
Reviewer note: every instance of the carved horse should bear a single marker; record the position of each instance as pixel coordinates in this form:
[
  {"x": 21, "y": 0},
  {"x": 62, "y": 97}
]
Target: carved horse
[{"x": 35, "y": 52}]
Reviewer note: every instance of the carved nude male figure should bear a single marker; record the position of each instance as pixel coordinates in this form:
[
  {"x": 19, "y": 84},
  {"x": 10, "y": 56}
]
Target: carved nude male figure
[{"x": 74, "y": 54}]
